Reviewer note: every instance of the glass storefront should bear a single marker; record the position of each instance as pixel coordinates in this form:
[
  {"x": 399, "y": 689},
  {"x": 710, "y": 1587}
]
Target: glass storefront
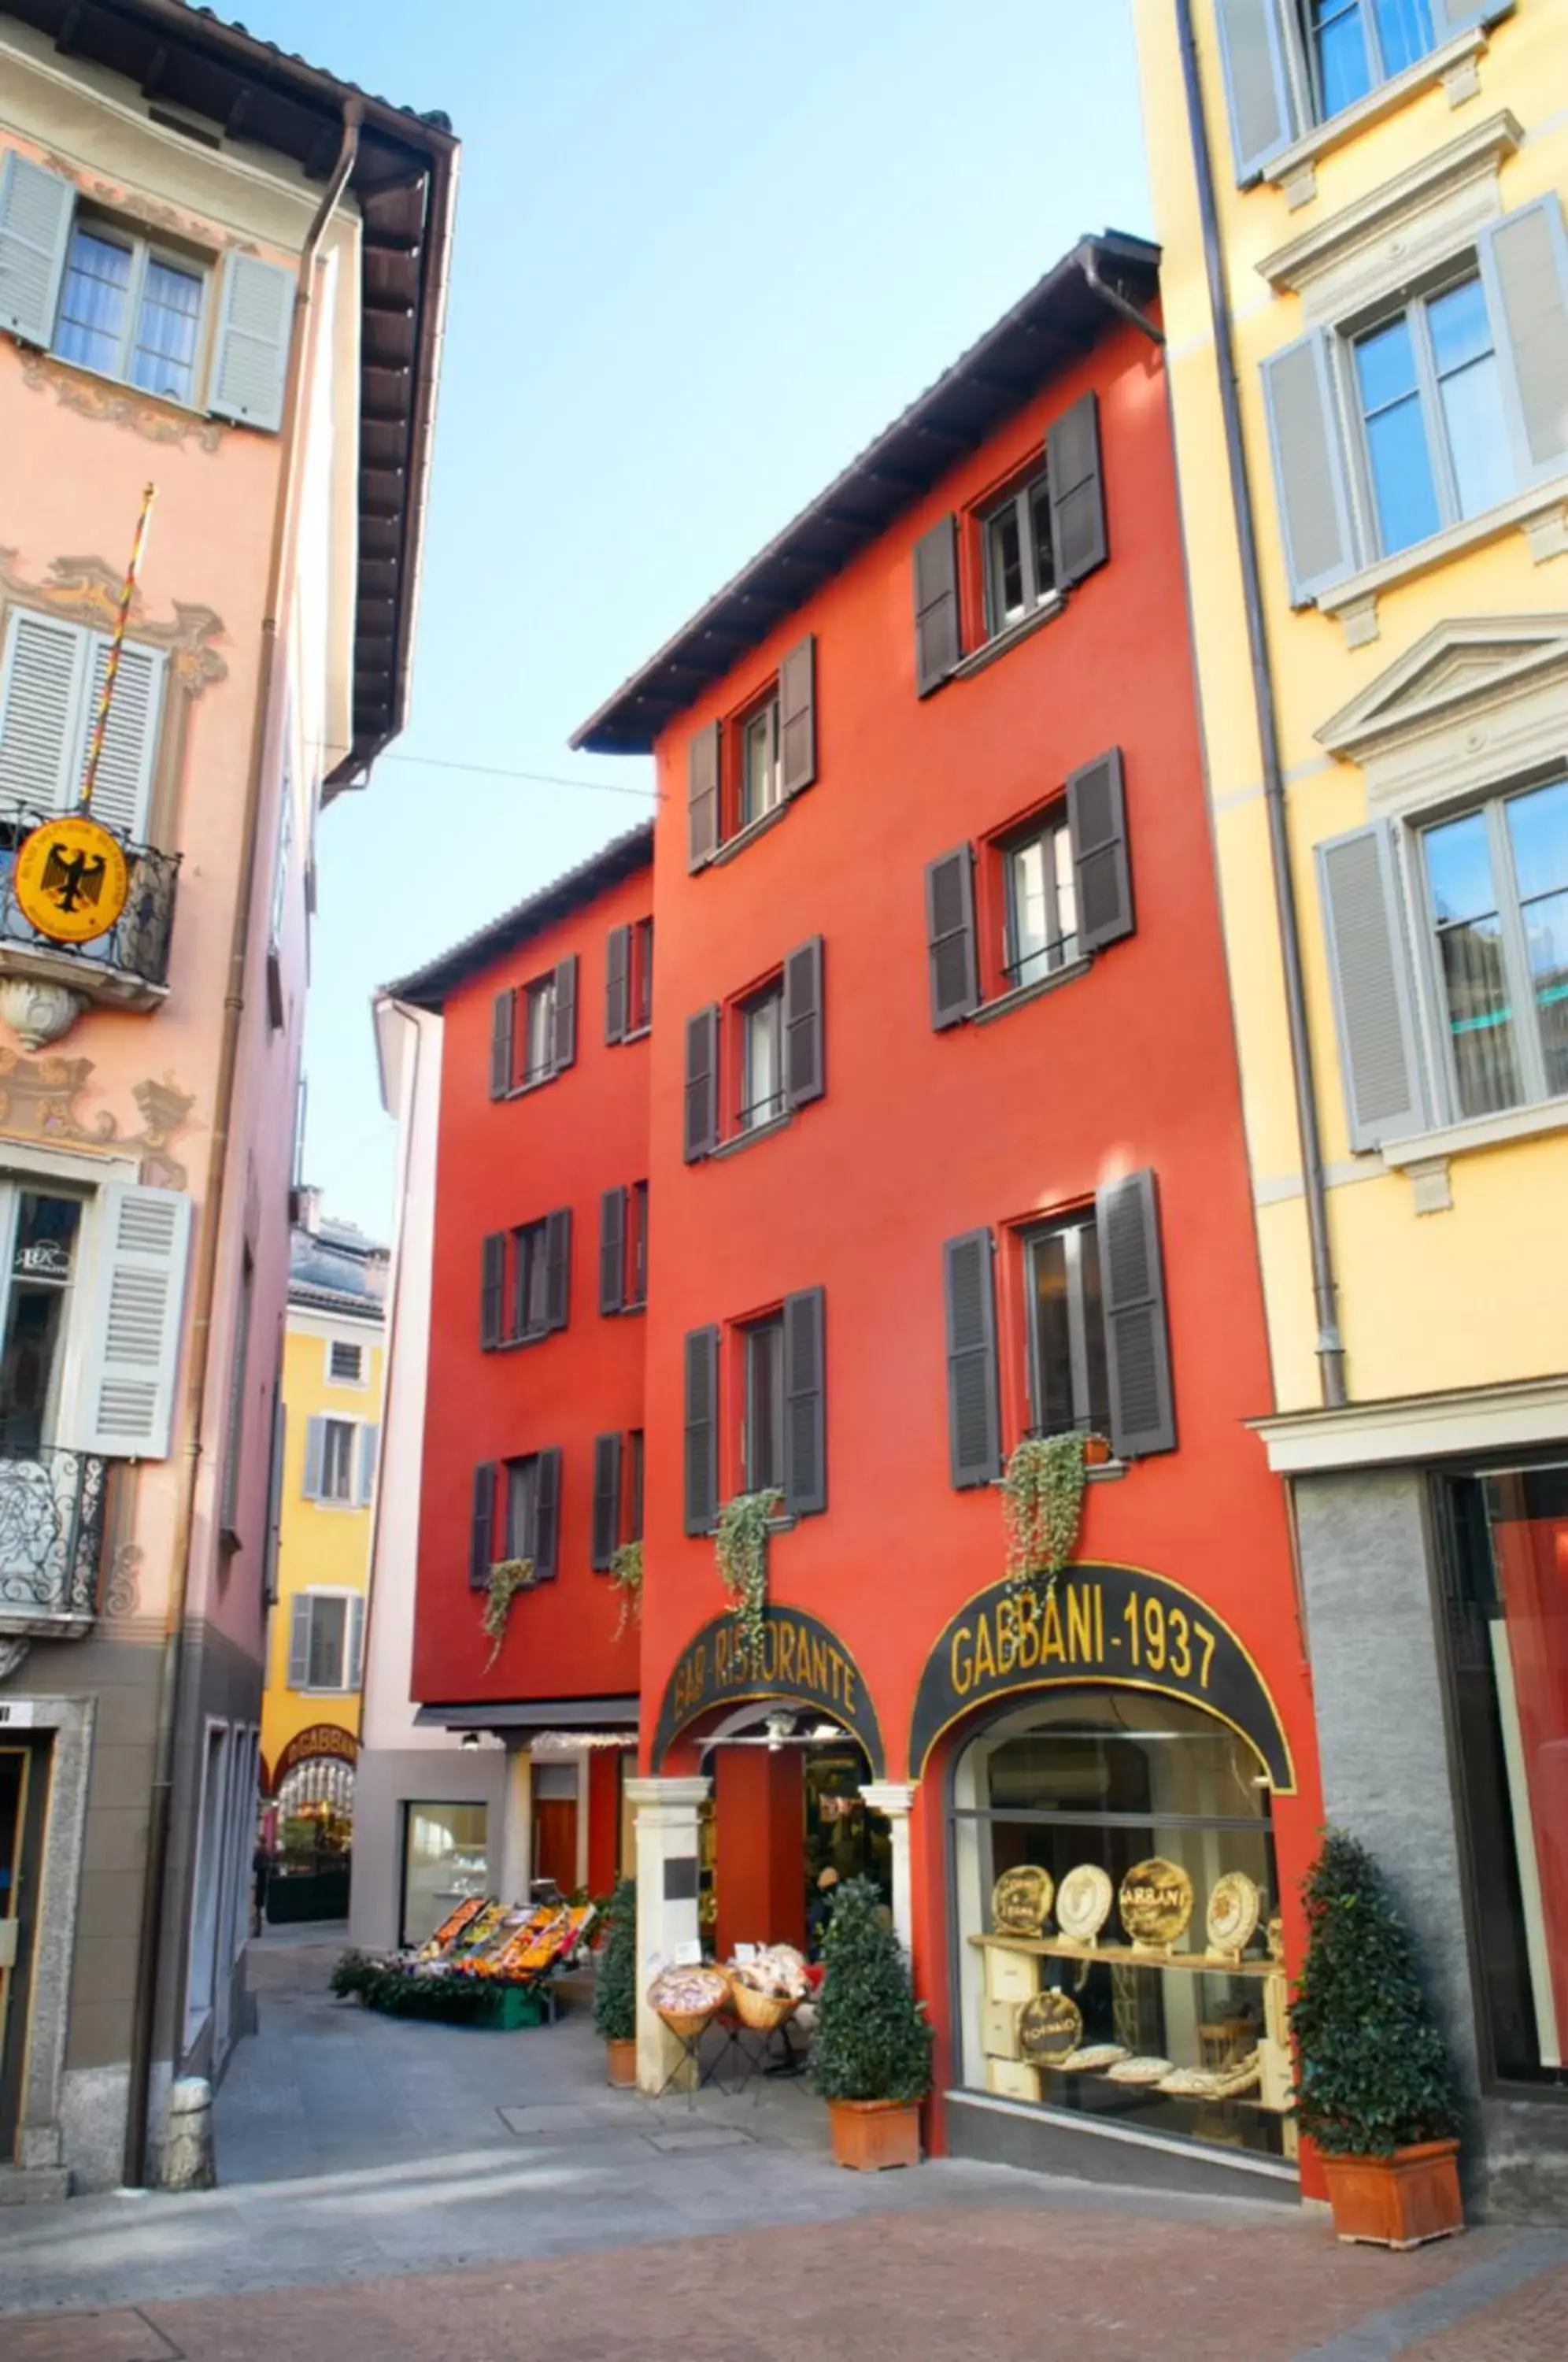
[
  {"x": 1506, "y": 1584},
  {"x": 1155, "y": 1816},
  {"x": 444, "y": 1861}
]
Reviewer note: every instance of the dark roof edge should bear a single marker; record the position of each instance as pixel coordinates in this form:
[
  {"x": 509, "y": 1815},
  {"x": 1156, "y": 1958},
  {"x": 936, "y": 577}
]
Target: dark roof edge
[
  {"x": 431, "y": 985},
  {"x": 616, "y": 729}
]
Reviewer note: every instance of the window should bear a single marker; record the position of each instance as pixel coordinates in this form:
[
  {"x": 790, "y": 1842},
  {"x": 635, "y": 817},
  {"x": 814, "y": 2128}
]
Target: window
[
  {"x": 533, "y": 1026},
  {"x": 637, "y": 1254},
  {"x": 639, "y": 1015},
  {"x": 1505, "y": 1565},
  {"x": 1067, "y": 1380},
  {"x": 538, "y": 1300},
  {"x": 762, "y": 1434},
  {"x": 201, "y": 1981},
  {"x": 330, "y": 1457},
  {"x": 1497, "y": 882},
  {"x": 41, "y": 1270},
  {"x": 337, "y": 1460},
  {"x": 346, "y": 1362},
  {"x": 1290, "y": 64},
  {"x": 1435, "y": 431},
  {"x": 762, "y": 1058},
  {"x": 325, "y": 1640},
  {"x": 522, "y": 1507},
  {"x": 1040, "y": 901},
  {"x": 1020, "y": 567},
  {"x": 530, "y": 1281},
  {"x": 759, "y": 787},
  {"x": 129, "y": 310},
  {"x": 50, "y": 676},
  {"x": 444, "y": 1863},
  {"x": 624, "y": 1249},
  {"x": 628, "y": 981},
  {"x": 1356, "y": 44},
  {"x": 516, "y": 1514},
  {"x": 635, "y": 1486},
  {"x": 539, "y": 1030}
]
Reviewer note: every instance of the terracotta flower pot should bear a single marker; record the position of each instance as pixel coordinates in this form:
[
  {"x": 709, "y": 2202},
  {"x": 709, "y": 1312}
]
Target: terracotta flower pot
[
  {"x": 869, "y": 2136},
  {"x": 1400, "y": 2200},
  {"x": 621, "y": 2064}
]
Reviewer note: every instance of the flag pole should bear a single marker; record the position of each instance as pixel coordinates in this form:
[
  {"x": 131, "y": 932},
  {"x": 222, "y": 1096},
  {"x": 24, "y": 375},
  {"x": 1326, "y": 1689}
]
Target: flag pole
[{"x": 111, "y": 671}]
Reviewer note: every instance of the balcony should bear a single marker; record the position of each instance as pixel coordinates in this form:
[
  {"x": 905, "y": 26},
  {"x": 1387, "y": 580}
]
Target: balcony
[
  {"x": 52, "y": 1538},
  {"x": 45, "y": 985}
]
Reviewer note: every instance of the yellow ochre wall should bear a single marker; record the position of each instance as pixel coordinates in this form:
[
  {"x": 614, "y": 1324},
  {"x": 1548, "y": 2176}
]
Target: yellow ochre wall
[
  {"x": 1428, "y": 1301},
  {"x": 321, "y": 1545}
]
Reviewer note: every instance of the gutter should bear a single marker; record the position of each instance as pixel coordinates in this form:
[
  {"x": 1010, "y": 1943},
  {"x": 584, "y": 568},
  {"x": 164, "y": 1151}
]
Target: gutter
[
  {"x": 1117, "y": 300},
  {"x": 1325, "y": 1293},
  {"x": 149, "y": 1952}
]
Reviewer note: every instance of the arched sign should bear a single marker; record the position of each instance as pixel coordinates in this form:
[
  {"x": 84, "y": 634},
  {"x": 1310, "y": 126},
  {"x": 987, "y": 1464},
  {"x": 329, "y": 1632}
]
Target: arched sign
[
  {"x": 799, "y": 1663},
  {"x": 1113, "y": 1625},
  {"x": 323, "y": 1739}
]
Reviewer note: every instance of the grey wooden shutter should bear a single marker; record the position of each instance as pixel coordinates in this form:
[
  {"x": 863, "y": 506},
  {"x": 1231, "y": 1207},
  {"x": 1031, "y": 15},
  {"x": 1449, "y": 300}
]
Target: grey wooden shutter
[
  {"x": 370, "y": 1446},
  {"x": 606, "y": 1501},
  {"x": 557, "y": 1267},
  {"x": 798, "y": 717},
  {"x": 1524, "y": 266},
  {"x": 805, "y": 1426},
  {"x": 617, "y": 983},
  {"x": 1132, "y": 1297},
  {"x": 1077, "y": 488},
  {"x": 613, "y": 1250},
  {"x": 1369, "y": 967},
  {"x": 140, "y": 1249},
  {"x": 804, "y": 1064},
  {"x": 701, "y": 1084},
  {"x": 1097, "y": 825},
  {"x": 482, "y": 1521},
  {"x": 492, "y": 1288},
  {"x": 702, "y": 797},
  {"x": 1309, "y": 472},
  {"x": 252, "y": 357},
  {"x": 1258, "y": 94},
  {"x": 547, "y": 1514},
  {"x": 314, "y": 1458},
  {"x": 950, "y": 938},
  {"x": 36, "y": 208},
  {"x": 938, "y": 647},
  {"x": 701, "y": 1429},
  {"x": 564, "y": 1037},
  {"x": 974, "y": 1421},
  {"x": 299, "y": 1642},
  {"x": 502, "y": 1017}
]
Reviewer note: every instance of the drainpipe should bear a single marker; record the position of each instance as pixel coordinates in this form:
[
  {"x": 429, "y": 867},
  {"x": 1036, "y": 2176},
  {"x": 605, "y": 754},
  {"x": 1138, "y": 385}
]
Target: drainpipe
[
  {"x": 1330, "y": 1346},
  {"x": 1115, "y": 298},
  {"x": 151, "y": 1946}
]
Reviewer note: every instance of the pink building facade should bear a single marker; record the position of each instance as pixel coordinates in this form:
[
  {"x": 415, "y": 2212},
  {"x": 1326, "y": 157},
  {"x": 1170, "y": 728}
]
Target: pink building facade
[{"x": 221, "y": 272}]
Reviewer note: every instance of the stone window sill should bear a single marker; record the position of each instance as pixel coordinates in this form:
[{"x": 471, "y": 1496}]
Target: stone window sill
[
  {"x": 636, "y": 1034},
  {"x": 753, "y": 1133},
  {"x": 1542, "y": 514},
  {"x": 1000, "y": 643},
  {"x": 1103, "y": 1472},
  {"x": 1022, "y": 994},
  {"x": 774, "y": 1526},
  {"x": 1536, "y": 1122},
  {"x": 1455, "y": 65},
  {"x": 736, "y": 844}
]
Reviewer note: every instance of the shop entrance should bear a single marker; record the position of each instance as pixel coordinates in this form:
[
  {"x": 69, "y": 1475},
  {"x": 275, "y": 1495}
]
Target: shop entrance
[
  {"x": 555, "y": 1800},
  {"x": 23, "y": 1788},
  {"x": 789, "y": 1825}
]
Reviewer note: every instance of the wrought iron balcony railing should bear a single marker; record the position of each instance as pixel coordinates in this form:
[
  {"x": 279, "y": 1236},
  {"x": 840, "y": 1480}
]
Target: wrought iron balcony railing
[
  {"x": 52, "y": 1535},
  {"x": 135, "y": 947}
]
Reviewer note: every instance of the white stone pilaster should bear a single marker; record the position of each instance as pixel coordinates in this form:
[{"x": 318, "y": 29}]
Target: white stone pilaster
[
  {"x": 668, "y": 1871},
  {"x": 512, "y": 1873},
  {"x": 895, "y": 1798}
]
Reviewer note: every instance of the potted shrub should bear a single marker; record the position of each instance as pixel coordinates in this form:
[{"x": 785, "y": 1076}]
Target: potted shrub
[
  {"x": 871, "y": 2045},
  {"x": 1374, "y": 2090},
  {"x": 616, "y": 1995}
]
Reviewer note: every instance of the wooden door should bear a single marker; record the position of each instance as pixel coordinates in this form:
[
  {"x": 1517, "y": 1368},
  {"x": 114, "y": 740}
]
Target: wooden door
[{"x": 555, "y": 1840}]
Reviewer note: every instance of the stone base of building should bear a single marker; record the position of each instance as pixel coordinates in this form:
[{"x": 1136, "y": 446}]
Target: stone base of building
[{"x": 1007, "y": 2132}]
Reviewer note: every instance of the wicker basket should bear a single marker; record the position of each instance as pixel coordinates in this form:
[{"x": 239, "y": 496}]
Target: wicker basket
[
  {"x": 762, "y": 2012},
  {"x": 687, "y": 2024}
]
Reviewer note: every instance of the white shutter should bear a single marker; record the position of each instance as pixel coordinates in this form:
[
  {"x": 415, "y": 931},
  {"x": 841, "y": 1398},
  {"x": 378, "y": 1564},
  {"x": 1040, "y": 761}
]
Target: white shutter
[
  {"x": 1369, "y": 969},
  {"x": 1252, "y": 38},
  {"x": 1523, "y": 266},
  {"x": 314, "y": 1458},
  {"x": 124, "y": 786},
  {"x": 40, "y": 696},
  {"x": 1310, "y": 471},
  {"x": 36, "y": 207},
  {"x": 252, "y": 342},
  {"x": 369, "y": 1439},
  {"x": 139, "y": 1287},
  {"x": 299, "y": 1642},
  {"x": 356, "y": 1667}
]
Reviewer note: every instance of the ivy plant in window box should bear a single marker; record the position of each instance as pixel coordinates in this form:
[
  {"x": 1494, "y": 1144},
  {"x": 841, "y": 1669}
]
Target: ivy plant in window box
[{"x": 1043, "y": 1497}]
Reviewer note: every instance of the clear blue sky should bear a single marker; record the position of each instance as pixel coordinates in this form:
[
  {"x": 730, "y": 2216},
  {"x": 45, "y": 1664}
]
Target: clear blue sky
[{"x": 705, "y": 250}]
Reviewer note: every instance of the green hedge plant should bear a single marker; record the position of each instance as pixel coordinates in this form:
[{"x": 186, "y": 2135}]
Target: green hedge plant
[
  {"x": 616, "y": 1995},
  {"x": 1373, "y": 2074},
  {"x": 871, "y": 2039}
]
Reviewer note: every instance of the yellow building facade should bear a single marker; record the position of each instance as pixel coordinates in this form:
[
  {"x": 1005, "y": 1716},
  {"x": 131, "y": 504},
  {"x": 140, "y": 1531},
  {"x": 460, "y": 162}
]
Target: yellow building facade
[
  {"x": 325, "y": 1486},
  {"x": 1360, "y": 204}
]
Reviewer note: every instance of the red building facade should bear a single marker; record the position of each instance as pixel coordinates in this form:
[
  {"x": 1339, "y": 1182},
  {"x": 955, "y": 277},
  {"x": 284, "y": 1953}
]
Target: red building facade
[{"x": 945, "y": 1142}]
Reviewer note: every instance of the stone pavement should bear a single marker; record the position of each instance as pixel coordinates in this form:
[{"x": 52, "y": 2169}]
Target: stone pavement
[{"x": 398, "y": 2192}]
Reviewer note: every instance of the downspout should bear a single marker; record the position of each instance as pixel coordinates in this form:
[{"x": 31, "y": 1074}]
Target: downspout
[
  {"x": 150, "y": 1945},
  {"x": 1330, "y": 1346},
  {"x": 1115, "y": 298}
]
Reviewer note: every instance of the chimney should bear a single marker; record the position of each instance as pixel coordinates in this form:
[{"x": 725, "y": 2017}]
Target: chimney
[{"x": 304, "y": 1209}]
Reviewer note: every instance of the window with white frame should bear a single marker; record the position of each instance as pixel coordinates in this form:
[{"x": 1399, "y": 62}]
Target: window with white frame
[
  {"x": 52, "y": 674},
  {"x": 131, "y": 309},
  {"x": 340, "y": 1460},
  {"x": 1354, "y": 45},
  {"x": 1020, "y": 566},
  {"x": 539, "y": 1030},
  {"x": 1434, "y": 430},
  {"x": 762, "y": 1057},
  {"x": 325, "y": 1640},
  {"x": 1041, "y": 911},
  {"x": 760, "y": 777}
]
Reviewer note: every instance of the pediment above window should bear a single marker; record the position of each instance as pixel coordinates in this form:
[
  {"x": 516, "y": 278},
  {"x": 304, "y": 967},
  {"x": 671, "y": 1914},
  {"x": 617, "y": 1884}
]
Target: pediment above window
[{"x": 1475, "y": 701}]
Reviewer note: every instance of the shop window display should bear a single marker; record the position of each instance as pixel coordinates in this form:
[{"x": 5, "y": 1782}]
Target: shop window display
[
  {"x": 444, "y": 1863},
  {"x": 1506, "y": 1578},
  {"x": 1116, "y": 1889}
]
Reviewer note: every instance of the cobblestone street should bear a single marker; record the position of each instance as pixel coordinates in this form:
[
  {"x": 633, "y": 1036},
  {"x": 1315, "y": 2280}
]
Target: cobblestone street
[{"x": 394, "y": 2192}]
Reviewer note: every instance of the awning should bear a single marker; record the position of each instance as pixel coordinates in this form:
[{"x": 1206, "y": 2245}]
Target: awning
[{"x": 534, "y": 1714}]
